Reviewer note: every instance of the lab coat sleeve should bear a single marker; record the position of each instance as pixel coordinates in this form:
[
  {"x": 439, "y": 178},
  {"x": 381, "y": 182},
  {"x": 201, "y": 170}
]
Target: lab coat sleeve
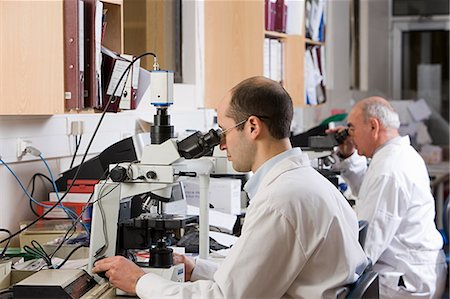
[
  {"x": 203, "y": 269},
  {"x": 153, "y": 286},
  {"x": 352, "y": 170},
  {"x": 383, "y": 206}
]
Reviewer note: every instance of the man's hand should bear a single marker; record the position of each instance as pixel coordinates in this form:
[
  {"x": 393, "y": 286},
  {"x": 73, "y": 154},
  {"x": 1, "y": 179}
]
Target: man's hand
[
  {"x": 347, "y": 148},
  {"x": 121, "y": 272},
  {"x": 189, "y": 264}
]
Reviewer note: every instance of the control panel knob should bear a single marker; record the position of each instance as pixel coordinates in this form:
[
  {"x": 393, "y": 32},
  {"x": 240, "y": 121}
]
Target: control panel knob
[{"x": 118, "y": 174}]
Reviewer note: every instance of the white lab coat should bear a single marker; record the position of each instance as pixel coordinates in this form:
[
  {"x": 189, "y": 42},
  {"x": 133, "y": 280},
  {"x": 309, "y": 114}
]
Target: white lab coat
[
  {"x": 402, "y": 239},
  {"x": 299, "y": 240}
]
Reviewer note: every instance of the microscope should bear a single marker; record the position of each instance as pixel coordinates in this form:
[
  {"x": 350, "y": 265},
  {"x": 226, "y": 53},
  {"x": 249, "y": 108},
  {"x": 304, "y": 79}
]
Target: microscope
[
  {"x": 320, "y": 146},
  {"x": 124, "y": 217}
]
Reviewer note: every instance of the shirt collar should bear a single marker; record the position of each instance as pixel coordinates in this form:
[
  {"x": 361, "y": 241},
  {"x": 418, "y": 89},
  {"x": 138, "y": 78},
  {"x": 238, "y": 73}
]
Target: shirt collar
[{"x": 252, "y": 185}]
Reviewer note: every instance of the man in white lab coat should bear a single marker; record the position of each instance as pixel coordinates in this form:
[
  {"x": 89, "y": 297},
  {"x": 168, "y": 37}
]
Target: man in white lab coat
[
  {"x": 300, "y": 236},
  {"x": 394, "y": 196}
]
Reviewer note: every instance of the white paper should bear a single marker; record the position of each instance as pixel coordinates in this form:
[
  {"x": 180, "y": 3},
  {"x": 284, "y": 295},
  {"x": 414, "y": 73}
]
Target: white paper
[
  {"x": 221, "y": 220},
  {"x": 224, "y": 239},
  {"x": 119, "y": 68}
]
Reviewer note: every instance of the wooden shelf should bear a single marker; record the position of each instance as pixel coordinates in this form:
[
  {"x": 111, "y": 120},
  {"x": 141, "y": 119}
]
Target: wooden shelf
[
  {"x": 313, "y": 42},
  {"x": 116, "y": 2},
  {"x": 275, "y": 34}
]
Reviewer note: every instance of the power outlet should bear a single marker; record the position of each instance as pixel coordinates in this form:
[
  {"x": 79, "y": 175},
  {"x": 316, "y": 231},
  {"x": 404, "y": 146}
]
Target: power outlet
[
  {"x": 21, "y": 146},
  {"x": 77, "y": 128}
]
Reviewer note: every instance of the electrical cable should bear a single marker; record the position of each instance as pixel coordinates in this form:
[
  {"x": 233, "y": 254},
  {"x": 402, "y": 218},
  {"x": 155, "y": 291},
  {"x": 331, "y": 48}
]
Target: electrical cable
[
  {"x": 2, "y": 254},
  {"x": 77, "y": 146},
  {"x": 85, "y": 153},
  {"x": 57, "y": 193},
  {"x": 37, "y": 251},
  {"x": 88, "y": 203},
  {"x": 32, "y": 183},
  {"x": 30, "y": 198},
  {"x": 65, "y": 238},
  {"x": 68, "y": 256}
]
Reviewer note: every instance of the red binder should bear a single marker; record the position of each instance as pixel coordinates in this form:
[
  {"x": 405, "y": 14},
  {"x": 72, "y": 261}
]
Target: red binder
[
  {"x": 270, "y": 14},
  {"x": 73, "y": 53},
  {"x": 280, "y": 16}
]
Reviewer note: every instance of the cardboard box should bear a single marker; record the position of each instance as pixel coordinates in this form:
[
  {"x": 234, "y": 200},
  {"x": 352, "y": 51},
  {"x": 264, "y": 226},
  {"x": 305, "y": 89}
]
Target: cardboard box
[{"x": 224, "y": 194}]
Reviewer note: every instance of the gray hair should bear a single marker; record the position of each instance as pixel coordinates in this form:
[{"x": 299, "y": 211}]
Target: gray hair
[{"x": 383, "y": 111}]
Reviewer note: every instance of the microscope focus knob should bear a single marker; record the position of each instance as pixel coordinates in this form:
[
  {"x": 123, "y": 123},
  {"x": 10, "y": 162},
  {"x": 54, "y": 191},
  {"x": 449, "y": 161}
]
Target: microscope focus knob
[
  {"x": 118, "y": 174},
  {"x": 151, "y": 175}
]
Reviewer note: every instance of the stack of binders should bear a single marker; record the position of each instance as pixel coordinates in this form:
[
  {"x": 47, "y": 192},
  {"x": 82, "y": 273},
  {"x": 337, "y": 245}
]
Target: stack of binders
[{"x": 275, "y": 15}]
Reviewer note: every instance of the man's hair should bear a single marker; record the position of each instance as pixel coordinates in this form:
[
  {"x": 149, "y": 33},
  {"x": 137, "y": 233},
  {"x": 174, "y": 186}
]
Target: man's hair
[
  {"x": 265, "y": 99},
  {"x": 382, "y": 110}
]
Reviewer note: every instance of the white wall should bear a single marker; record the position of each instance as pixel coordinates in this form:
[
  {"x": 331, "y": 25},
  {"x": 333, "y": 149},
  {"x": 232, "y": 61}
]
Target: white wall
[{"x": 375, "y": 46}]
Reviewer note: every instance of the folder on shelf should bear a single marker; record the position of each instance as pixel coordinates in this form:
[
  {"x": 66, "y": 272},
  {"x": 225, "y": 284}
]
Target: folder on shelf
[
  {"x": 92, "y": 33},
  {"x": 314, "y": 77},
  {"x": 276, "y": 60},
  {"x": 267, "y": 57},
  {"x": 273, "y": 59},
  {"x": 280, "y": 16},
  {"x": 73, "y": 11},
  {"x": 270, "y": 14},
  {"x": 113, "y": 67},
  {"x": 314, "y": 21}
]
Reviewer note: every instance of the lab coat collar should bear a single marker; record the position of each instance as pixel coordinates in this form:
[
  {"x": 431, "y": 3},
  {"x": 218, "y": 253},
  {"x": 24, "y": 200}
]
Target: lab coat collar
[
  {"x": 275, "y": 166},
  {"x": 399, "y": 140}
]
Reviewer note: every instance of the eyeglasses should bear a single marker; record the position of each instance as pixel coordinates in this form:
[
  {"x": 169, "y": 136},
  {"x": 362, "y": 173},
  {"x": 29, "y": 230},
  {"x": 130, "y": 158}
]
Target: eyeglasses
[{"x": 224, "y": 132}]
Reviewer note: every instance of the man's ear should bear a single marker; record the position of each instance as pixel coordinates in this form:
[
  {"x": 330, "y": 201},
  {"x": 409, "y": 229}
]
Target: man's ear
[
  {"x": 255, "y": 125},
  {"x": 374, "y": 126}
]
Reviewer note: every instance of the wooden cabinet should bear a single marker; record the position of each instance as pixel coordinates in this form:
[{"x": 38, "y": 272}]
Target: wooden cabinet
[
  {"x": 294, "y": 53},
  {"x": 32, "y": 54},
  {"x": 234, "y": 36},
  {"x": 113, "y": 37},
  {"x": 31, "y": 57},
  {"x": 234, "y": 49}
]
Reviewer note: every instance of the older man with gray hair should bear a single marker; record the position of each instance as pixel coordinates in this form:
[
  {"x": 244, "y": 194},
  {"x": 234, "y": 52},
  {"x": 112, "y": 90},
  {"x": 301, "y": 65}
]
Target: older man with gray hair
[{"x": 394, "y": 196}]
